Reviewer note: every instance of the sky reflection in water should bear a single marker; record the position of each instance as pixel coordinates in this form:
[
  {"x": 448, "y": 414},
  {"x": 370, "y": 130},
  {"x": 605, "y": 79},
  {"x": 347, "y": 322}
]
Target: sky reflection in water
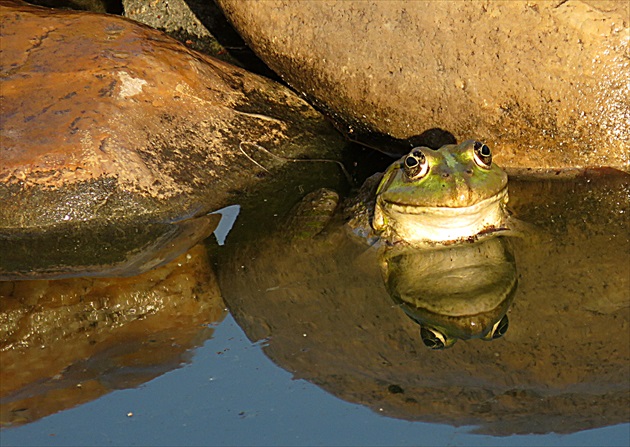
[{"x": 231, "y": 394}]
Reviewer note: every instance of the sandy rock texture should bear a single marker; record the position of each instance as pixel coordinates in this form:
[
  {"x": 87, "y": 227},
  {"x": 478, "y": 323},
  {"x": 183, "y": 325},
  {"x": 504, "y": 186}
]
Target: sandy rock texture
[
  {"x": 109, "y": 127},
  {"x": 543, "y": 82}
]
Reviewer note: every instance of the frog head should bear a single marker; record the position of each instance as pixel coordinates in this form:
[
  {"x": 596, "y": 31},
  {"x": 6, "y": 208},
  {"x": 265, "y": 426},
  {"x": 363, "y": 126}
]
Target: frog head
[{"x": 441, "y": 196}]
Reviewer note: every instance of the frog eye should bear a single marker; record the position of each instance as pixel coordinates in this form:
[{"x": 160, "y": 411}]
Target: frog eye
[
  {"x": 416, "y": 165},
  {"x": 434, "y": 339},
  {"x": 500, "y": 328},
  {"x": 483, "y": 155}
]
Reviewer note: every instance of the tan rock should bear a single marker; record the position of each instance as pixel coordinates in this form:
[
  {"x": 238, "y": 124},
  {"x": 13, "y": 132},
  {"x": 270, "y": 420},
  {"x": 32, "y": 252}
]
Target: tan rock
[
  {"x": 545, "y": 83},
  {"x": 110, "y": 127}
]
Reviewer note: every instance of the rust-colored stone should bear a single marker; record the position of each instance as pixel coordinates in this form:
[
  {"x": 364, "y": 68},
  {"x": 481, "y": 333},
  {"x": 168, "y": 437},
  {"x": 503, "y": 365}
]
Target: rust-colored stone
[
  {"x": 110, "y": 126},
  {"x": 545, "y": 83}
]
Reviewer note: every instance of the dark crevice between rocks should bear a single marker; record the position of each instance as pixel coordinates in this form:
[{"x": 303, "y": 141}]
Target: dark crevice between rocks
[
  {"x": 212, "y": 17},
  {"x": 103, "y": 6}
]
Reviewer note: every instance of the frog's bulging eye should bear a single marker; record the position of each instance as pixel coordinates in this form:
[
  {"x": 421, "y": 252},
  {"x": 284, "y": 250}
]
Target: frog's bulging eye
[
  {"x": 500, "y": 328},
  {"x": 416, "y": 165},
  {"x": 483, "y": 155},
  {"x": 432, "y": 338}
]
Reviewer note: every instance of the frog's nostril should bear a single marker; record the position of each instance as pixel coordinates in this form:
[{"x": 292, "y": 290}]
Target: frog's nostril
[
  {"x": 469, "y": 171},
  {"x": 445, "y": 174}
]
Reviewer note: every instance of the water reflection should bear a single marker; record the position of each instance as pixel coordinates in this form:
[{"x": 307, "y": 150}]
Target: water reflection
[
  {"x": 68, "y": 341},
  {"x": 563, "y": 366},
  {"x": 460, "y": 291},
  {"x": 119, "y": 248}
]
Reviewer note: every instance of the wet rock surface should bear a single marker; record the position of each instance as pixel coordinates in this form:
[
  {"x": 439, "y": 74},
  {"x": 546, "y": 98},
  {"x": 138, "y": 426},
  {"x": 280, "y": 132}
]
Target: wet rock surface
[
  {"x": 109, "y": 126},
  {"x": 69, "y": 341},
  {"x": 544, "y": 83},
  {"x": 562, "y": 366}
]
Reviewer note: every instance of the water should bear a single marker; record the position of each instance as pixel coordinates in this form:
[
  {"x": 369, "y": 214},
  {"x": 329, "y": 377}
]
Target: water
[
  {"x": 232, "y": 394},
  {"x": 169, "y": 380}
]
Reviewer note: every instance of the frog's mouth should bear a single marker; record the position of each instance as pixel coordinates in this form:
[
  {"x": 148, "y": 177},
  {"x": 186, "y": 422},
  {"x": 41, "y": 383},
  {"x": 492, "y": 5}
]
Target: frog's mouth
[{"x": 421, "y": 225}]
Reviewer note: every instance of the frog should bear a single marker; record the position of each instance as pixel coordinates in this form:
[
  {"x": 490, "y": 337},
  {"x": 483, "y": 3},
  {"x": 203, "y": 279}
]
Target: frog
[
  {"x": 433, "y": 197},
  {"x": 441, "y": 196},
  {"x": 436, "y": 218}
]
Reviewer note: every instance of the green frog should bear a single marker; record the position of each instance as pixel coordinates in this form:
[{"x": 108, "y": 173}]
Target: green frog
[
  {"x": 431, "y": 201},
  {"x": 441, "y": 196},
  {"x": 423, "y": 213},
  {"x": 432, "y": 197}
]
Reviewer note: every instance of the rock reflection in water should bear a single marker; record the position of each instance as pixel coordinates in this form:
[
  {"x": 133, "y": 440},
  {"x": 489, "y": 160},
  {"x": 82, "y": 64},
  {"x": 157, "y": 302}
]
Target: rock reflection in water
[
  {"x": 461, "y": 291},
  {"x": 119, "y": 248},
  {"x": 563, "y": 366},
  {"x": 65, "y": 342}
]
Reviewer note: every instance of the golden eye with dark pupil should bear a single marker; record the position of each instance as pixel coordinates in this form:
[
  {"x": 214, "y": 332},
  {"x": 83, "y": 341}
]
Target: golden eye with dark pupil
[
  {"x": 483, "y": 155},
  {"x": 415, "y": 165}
]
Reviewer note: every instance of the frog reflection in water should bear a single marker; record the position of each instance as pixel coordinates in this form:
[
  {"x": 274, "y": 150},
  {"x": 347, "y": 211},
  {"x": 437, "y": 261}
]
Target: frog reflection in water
[
  {"x": 424, "y": 211},
  {"x": 462, "y": 291}
]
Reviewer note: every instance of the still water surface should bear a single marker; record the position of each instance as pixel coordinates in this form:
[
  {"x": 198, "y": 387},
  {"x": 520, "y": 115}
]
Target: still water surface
[
  {"x": 569, "y": 331},
  {"x": 232, "y": 394}
]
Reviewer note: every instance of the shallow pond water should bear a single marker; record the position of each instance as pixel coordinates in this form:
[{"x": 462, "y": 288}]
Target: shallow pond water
[
  {"x": 315, "y": 353},
  {"x": 232, "y": 394}
]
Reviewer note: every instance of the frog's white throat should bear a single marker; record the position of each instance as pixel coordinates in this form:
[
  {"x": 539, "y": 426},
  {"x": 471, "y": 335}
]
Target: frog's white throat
[{"x": 439, "y": 225}]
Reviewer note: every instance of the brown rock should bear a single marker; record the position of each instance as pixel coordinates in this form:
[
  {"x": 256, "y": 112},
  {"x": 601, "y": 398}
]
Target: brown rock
[
  {"x": 110, "y": 128},
  {"x": 545, "y": 83}
]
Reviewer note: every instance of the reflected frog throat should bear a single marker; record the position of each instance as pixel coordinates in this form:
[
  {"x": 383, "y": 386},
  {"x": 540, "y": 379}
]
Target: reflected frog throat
[{"x": 459, "y": 292}]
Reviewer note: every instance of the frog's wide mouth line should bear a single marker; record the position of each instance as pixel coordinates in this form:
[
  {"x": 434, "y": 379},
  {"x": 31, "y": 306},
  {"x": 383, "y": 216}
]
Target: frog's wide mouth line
[
  {"x": 418, "y": 225},
  {"x": 444, "y": 211}
]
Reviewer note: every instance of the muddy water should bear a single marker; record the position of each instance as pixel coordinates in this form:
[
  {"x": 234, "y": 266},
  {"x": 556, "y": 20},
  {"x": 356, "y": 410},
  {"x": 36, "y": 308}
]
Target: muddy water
[
  {"x": 321, "y": 311},
  {"x": 563, "y": 365}
]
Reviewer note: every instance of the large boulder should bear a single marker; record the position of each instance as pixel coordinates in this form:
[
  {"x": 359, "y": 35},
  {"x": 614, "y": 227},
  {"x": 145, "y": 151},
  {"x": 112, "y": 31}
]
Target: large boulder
[
  {"x": 118, "y": 140},
  {"x": 545, "y": 83}
]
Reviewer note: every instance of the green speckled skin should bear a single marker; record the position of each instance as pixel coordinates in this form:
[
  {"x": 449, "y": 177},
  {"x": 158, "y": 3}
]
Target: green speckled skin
[{"x": 454, "y": 180}]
